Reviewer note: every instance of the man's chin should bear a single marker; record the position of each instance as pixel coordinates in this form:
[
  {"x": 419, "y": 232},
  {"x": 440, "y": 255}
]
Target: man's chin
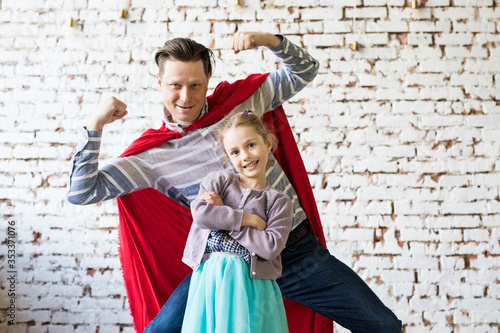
[{"x": 185, "y": 120}]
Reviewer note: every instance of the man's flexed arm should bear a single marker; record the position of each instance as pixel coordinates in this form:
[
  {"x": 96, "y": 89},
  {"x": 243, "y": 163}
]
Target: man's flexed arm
[
  {"x": 298, "y": 70},
  {"x": 87, "y": 183},
  {"x": 251, "y": 40},
  {"x": 110, "y": 110}
]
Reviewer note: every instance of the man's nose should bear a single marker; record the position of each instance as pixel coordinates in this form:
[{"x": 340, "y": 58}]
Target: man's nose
[{"x": 185, "y": 95}]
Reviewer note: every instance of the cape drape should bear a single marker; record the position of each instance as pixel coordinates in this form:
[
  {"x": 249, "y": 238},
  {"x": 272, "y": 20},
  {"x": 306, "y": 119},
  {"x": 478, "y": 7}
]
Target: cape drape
[{"x": 153, "y": 228}]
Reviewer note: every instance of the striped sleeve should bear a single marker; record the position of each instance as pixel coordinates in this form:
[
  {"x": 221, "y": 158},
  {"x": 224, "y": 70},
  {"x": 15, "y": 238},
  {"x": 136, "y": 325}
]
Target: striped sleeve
[
  {"x": 298, "y": 70},
  {"x": 87, "y": 184}
]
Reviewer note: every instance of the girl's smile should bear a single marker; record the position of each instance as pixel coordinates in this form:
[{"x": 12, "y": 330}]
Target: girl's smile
[{"x": 251, "y": 165}]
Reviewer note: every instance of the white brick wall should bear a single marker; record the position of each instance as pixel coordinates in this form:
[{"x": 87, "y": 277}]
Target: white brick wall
[{"x": 400, "y": 139}]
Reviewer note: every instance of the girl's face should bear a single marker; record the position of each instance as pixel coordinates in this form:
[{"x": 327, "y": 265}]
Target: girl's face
[{"x": 247, "y": 151}]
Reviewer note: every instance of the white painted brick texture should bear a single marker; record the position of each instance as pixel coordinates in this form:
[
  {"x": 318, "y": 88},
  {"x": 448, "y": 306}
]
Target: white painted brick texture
[{"x": 400, "y": 139}]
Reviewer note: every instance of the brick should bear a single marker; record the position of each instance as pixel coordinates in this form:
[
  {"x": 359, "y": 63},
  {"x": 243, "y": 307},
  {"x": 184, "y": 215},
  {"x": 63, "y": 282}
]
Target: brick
[
  {"x": 425, "y": 79},
  {"x": 425, "y": 290},
  {"x": 450, "y": 236},
  {"x": 396, "y": 276},
  {"x": 387, "y": 26},
  {"x": 475, "y": 26},
  {"x": 418, "y": 235},
  {"x": 465, "y": 208},
  {"x": 367, "y": 40},
  {"x": 425, "y": 26},
  {"x": 204, "y": 3},
  {"x": 416, "y": 263},
  {"x": 384, "y": 2},
  {"x": 407, "y": 13},
  {"x": 403, "y": 289},
  {"x": 393, "y": 66},
  {"x": 483, "y": 121},
  {"x": 245, "y": 13},
  {"x": 323, "y": 40},
  {"x": 471, "y": 79},
  {"x": 476, "y": 235},
  {"x": 283, "y": 14},
  {"x": 455, "y": 13},
  {"x": 318, "y": 13},
  {"x": 330, "y": 26},
  {"x": 359, "y": 234},
  {"x": 480, "y": 3},
  {"x": 363, "y": 13},
  {"x": 28, "y": 180},
  {"x": 454, "y": 39},
  {"x": 86, "y": 328},
  {"x": 36, "y": 329},
  {"x": 447, "y": 66},
  {"x": 437, "y": 3},
  {"x": 398, "y": 121},
  {"x": 375, "y": 165},
  {"x": 488, "y": 13},
  {"x": 151, "y": 4}
]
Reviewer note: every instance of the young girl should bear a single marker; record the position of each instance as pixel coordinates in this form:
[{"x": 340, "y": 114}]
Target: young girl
[{"x": 240, "y": 226}]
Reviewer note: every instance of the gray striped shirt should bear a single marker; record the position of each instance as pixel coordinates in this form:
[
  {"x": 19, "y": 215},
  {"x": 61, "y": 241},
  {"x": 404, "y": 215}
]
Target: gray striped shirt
[{"x": 177, "y": 167}]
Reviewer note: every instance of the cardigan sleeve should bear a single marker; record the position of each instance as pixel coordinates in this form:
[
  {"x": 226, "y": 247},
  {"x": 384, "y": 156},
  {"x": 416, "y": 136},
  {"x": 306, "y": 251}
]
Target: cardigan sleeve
[
  {"x": 269, "y": 243},
  {"x": 213, "y": 217}
]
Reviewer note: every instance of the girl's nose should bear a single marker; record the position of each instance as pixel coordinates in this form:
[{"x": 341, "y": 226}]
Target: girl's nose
[{"x": 244, "y": 154}]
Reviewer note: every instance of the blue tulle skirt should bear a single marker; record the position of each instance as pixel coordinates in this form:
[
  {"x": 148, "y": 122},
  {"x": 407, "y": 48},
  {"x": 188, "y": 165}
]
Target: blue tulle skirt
[{"x": 223, "y": 298}]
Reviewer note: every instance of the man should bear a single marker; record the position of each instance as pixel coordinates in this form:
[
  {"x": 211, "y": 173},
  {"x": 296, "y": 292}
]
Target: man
[{"x": 185, "y": 149}]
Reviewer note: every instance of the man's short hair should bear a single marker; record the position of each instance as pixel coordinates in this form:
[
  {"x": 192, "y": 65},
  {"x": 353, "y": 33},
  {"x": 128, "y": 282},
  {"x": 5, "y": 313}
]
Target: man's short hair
[{"x": 185, "y": 50}]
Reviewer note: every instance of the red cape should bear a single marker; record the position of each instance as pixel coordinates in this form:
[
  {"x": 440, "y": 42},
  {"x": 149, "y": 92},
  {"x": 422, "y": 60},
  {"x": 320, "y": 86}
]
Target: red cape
[{"x": 153, "y": 228}]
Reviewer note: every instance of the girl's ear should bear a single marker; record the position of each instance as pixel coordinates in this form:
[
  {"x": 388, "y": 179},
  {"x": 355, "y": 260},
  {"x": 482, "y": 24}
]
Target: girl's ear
[{"x": 269, "y": 143}]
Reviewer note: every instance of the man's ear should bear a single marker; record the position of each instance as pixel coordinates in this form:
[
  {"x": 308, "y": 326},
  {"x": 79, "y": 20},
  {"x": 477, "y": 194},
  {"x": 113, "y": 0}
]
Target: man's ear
[{"x": 158, "y": 78}]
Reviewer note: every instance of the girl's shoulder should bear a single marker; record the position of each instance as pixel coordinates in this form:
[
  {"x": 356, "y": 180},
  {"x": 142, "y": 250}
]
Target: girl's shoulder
[
  {"x": 222, "y": 177},
  {"x": 278, "y": 195},
  {"x": 221, "y": 174}
]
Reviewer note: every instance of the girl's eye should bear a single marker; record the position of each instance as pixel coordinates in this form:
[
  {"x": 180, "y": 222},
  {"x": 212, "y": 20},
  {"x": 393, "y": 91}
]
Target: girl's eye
[
  {"x": 234, "y": 152},
  {"x": 251, "y": 145}
]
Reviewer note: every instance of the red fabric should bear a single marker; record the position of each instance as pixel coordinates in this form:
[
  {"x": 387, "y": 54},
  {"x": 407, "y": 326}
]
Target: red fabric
[{"x": 153, "y": 228}]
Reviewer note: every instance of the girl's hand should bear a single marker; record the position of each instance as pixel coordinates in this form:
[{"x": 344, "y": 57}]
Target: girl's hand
[
  {"x": 212, "y": 198},
  {"x": 253, "y": 221}
]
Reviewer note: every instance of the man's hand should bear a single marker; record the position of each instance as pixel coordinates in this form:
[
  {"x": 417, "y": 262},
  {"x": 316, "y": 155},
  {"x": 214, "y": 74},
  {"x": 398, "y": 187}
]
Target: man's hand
[
  {"x": 251, "y": 40},
  {"x": 212, "y": 198},
  {"x": 110, "y": 110}
]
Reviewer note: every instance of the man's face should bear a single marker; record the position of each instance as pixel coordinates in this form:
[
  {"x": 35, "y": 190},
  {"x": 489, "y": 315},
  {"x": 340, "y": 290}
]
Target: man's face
[{"x": 184, "y": 88}]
